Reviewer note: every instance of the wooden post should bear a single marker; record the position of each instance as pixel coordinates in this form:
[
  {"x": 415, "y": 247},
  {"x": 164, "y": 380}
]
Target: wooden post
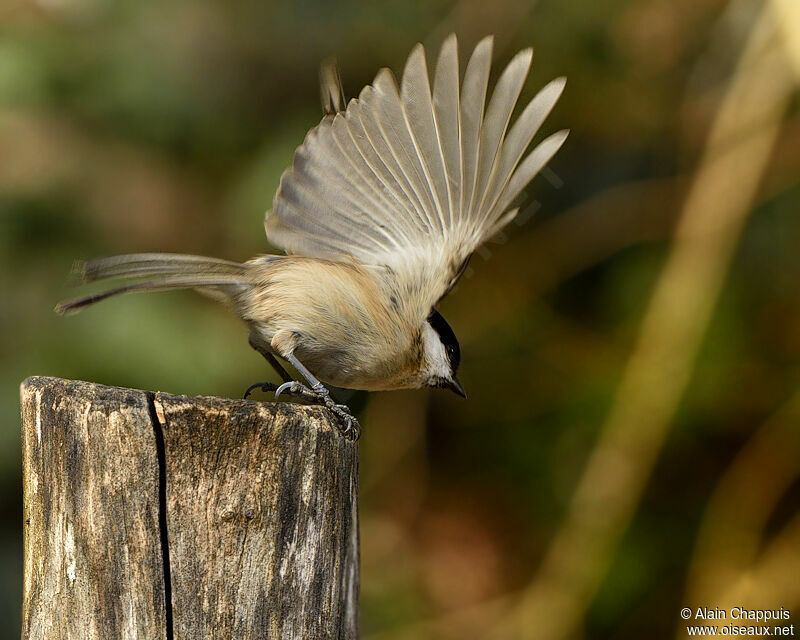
[{"x": 156, "y": 516}]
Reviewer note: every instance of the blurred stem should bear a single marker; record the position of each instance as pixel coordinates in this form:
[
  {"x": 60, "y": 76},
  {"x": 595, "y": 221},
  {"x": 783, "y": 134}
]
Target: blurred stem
[
  {"x": 729, "y": 566},
  {"x": 658, "y": 371},
  {"x": 787, "y": 14},
  {"x": 772, "y": 582}
]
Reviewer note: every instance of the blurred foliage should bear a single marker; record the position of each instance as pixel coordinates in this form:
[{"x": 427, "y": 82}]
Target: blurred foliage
[{"x": 164, "y": 126}]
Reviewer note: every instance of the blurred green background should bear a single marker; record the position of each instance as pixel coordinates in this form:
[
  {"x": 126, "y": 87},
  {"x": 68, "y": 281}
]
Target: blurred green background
[{"x": 164, "y": 126}]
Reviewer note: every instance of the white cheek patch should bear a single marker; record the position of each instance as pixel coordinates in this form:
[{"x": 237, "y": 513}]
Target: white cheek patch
[{"x": 436, "y": 360}]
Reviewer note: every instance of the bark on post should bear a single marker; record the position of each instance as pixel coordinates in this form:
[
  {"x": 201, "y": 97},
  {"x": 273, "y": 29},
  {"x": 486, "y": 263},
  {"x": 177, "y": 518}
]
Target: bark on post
[{"x": 156, "y": 516}]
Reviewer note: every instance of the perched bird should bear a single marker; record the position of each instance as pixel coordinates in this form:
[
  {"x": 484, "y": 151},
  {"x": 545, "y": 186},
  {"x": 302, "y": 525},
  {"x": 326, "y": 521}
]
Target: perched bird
[{"x": 385, "y": 201}]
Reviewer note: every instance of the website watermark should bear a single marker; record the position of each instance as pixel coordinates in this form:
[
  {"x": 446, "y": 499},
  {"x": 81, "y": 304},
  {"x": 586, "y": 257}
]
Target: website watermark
[{"x": 737, "y": 622}]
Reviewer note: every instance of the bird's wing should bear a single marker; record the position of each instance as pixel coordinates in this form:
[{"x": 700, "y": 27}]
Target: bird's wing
[{"x": 412, "y": 179}]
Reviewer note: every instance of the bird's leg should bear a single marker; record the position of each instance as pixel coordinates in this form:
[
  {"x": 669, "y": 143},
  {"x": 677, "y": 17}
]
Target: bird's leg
[
  {"x": 273, "y": 361},
  {"x": 299, "y": 391},
  {"x": 350, "y": 427},
  {"x": 317, "y": 394}
]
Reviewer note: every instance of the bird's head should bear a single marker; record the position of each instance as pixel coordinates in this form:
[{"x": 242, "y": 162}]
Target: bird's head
[{"x": 441, "y": 355}]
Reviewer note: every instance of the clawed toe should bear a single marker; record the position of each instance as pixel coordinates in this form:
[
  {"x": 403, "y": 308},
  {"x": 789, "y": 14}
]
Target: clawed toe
[
  {"x": 300, "y": 391},
  {"x": 290, "y": 386},
  {"x": 264, "y": 386},
  {"x": 346, "y": 423}
]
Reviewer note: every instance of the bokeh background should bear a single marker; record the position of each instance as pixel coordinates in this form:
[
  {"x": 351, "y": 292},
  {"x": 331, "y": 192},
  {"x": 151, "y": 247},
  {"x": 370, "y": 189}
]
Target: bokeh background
[{"x": 631, "y": 444}]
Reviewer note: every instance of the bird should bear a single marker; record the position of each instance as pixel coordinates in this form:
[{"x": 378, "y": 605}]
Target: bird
[{"x": 378, "y": 214}]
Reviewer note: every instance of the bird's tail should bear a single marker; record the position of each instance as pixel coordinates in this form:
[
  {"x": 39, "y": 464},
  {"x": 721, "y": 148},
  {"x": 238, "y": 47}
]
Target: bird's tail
[{"x": 158, "y": 271}]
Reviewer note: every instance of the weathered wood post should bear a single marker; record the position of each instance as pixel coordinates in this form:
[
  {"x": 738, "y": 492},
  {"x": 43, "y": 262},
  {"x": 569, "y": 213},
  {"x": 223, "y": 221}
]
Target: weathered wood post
[{"x": 156, "y": 516}]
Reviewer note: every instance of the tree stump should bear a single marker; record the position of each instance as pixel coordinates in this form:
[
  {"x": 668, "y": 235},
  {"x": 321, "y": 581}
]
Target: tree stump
[{"x": 149, "y": 515}]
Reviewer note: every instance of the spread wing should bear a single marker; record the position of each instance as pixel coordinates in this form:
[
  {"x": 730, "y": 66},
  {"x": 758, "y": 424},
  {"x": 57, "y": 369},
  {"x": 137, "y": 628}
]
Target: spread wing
[{"x": 413, "y": 179}]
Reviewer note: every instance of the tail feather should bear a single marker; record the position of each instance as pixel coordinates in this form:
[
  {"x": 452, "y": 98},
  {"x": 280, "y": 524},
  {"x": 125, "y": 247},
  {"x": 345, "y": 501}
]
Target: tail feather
[
  {"x": 220, "y": 278},
  {"x": 136, "y": 264}
]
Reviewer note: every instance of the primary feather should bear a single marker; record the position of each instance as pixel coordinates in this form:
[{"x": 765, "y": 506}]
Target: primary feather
[{"x": 411, "y": 179}]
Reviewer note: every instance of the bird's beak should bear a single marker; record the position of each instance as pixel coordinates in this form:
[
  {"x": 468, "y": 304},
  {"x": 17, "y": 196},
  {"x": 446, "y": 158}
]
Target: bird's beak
[{"x": 455, "y": 386}]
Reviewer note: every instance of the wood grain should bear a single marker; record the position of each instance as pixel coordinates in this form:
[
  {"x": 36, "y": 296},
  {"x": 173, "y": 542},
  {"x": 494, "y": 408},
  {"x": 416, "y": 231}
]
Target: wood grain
[
  {"x": 251, "y": 507},
  {"x": 92, "y": 562}
]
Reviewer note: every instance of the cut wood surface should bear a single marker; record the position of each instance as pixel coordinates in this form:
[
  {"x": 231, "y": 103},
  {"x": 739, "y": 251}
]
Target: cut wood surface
[{"x": 149, "y": 515}]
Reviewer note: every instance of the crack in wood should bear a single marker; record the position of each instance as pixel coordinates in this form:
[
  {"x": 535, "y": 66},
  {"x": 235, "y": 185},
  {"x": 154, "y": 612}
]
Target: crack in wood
[{"x": 159, "y": 422}]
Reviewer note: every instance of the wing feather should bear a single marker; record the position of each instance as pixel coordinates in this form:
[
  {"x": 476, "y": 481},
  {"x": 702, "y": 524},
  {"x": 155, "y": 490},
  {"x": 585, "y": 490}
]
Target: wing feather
[
  {"x": 318, "y": 181},
  {"x": 411, "y": 180},
  {"x": 365, "y": 190},
  {"x": 417, "y": 102},
  {"x": 498, "y": 113},
  {"x": 402, "y": 210},
  {"x": 393, "y": 124},
  {"x": 369, "y": 119},
  {"x": 330, "y": 173},
  {"x": 473, "y": 99},
  {"x": 519, "y": 138},
  {"x": 299, "y": 198},
  {"x": 530, "y": 166},
  {"x": 331, "y": 90},
  {"x": 447, "y": 115}
]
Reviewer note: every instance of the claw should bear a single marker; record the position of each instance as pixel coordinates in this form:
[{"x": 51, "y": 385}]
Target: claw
[
  {"x": 281, "y": 389},
  {"x": 351, "y": 429}
]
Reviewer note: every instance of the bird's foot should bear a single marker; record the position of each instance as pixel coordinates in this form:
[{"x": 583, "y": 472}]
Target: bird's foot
[
  {"x": 348, "y": 425},
  {"x": 300, "y": 391},
  {"x": 346, "y": 422},
  {"x": 294, "y": 389},
  {"x": 319, "y": 394}
]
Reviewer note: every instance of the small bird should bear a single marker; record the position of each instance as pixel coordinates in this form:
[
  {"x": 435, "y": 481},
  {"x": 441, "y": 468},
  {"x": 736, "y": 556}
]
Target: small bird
[{"x": 384, "y": 203}]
